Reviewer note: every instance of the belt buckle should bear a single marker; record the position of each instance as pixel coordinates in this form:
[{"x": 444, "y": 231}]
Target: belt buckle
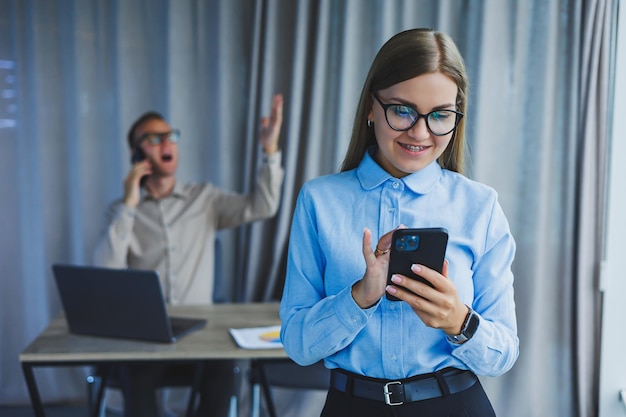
[{"x": 388, "y": 393}]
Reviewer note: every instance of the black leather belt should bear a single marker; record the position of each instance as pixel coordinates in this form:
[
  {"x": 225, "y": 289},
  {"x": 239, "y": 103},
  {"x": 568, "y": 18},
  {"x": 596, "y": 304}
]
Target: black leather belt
[{"x": 422, "y": 387}]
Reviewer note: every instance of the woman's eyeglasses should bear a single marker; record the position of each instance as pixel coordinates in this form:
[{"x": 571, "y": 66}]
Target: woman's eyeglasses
[
  {"x": 157, "y": 138},
  {"x": 401, "y": 117}
]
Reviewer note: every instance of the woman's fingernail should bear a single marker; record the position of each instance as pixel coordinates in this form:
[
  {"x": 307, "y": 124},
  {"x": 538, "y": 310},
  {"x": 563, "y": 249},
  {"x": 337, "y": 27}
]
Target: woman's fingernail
[
  {"x": 416, "y": 268},
  {"x": 391, "y": 289},
  {"x": 396, "y": 279}
]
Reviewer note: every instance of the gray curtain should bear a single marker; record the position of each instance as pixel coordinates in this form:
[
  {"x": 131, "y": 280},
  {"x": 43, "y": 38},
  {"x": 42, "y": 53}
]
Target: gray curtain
[
  {"x": 595, "y": 78},
  {"x": 75, "y": 74}
]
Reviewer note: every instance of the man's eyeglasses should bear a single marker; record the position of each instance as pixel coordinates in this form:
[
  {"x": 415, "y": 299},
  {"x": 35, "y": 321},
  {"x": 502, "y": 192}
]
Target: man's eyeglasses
[
  {"x": 401, "y": 117},
  {"x": 157, "y": 138}
]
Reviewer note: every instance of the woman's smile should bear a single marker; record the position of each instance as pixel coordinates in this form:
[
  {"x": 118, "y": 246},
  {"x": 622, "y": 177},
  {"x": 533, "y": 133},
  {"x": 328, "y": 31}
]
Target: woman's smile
[{"x": 413, "y": 148}]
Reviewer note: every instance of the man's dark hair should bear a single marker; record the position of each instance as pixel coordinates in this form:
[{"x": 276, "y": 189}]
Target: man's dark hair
[{"x": 151, "y": 115}]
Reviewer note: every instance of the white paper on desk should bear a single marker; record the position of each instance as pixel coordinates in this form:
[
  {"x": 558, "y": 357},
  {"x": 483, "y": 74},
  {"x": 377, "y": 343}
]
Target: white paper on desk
[{"x": 258, "y": 337}]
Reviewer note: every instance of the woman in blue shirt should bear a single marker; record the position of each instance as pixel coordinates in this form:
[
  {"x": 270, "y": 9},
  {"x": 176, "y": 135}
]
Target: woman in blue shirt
[{"x": 403, "y": 168}]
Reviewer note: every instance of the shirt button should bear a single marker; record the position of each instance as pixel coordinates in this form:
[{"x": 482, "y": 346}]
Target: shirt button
[
  {"x": 394, "y": 357},
  {"x": 395, "y": 185},
  {"x": 392, "y": 306}
]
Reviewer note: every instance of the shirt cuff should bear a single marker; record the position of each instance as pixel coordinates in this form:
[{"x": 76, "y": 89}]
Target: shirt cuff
[
  {"x": 273, "y": 158},
  {"x": 349, "y": 312},
  {"x": 126, "y": 211}
]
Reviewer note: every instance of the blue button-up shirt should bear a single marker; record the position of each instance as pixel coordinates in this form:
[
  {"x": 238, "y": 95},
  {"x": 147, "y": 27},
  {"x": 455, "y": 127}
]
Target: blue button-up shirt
[{"x": 321, "y": 320}]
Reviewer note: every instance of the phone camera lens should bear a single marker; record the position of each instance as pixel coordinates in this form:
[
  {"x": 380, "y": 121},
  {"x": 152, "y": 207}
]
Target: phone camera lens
[{"x": 407, "y": 243}]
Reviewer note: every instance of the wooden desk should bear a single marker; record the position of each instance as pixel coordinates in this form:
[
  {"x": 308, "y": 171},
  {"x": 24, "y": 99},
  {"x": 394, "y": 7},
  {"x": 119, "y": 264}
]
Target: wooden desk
[{"x": 55, "y": 346}]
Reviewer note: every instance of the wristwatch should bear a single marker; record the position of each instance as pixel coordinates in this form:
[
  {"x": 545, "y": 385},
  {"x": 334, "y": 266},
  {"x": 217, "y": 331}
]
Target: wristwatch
[{"x": 470, "y": 324}]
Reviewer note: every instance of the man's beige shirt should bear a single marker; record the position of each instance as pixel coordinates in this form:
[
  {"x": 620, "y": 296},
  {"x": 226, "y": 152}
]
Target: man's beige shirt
[{"x": 175, "y": 235}]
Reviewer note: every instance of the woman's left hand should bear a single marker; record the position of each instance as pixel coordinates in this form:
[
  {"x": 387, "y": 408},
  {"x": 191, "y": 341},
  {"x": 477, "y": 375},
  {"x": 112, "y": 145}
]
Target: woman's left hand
[{"x": 439, "y": 306}]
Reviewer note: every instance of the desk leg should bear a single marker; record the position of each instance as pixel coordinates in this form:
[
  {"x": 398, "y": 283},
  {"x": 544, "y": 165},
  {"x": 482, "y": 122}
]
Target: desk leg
[
  {"x": 261, "y": 388},
  {"x": 35, "y": 399},
  {"x": 266, "y": 391}
]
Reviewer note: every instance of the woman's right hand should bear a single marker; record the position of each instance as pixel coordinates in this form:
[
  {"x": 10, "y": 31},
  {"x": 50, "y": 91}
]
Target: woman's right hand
[{"x": 371, "y": 287}]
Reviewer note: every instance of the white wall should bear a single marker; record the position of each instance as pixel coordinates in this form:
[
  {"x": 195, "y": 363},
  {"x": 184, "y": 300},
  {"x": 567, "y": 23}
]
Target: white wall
[{"x": 613, "y": 360}]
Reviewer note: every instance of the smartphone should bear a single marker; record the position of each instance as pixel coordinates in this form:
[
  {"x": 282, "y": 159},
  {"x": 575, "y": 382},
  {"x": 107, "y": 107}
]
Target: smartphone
[
  {"x": 416, "y": 246},
  {"x": 138, "y": 156}
]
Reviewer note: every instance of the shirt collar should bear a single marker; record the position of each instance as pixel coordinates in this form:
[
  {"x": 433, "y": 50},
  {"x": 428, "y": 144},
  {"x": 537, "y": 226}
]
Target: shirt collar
[
  {"x": 371, "y": 175},
  {"x": 179, "y": 191}
]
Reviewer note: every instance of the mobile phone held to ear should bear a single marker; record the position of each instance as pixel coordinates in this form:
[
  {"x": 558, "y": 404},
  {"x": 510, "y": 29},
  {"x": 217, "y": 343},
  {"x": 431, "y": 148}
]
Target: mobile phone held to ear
[
  {"x": 137, "y": 156},
  {"x": 416, "y": 246}
]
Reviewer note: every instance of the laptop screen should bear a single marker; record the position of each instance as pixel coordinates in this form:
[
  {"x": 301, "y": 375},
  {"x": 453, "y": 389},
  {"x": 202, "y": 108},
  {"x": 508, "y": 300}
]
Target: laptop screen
[{"x": 119, "y": 303}]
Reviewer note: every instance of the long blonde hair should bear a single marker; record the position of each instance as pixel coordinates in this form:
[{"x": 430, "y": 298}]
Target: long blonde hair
[{"x": 406, "y": 55}]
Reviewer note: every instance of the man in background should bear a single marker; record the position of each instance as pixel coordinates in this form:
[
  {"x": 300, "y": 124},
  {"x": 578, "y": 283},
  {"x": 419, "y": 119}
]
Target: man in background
[{"x": 164, "y": 225}]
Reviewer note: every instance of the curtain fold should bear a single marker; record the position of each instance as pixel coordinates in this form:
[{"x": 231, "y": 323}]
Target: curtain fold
[
  {"x": 75, "y": 74},
  {"x": 592, "y": 166}
]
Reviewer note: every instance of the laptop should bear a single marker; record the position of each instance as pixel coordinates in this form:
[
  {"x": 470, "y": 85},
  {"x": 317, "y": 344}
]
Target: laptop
[{"x": 118, "y": 303}]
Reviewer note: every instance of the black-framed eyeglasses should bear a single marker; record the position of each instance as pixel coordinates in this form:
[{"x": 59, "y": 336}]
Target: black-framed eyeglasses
[
  {"x": 401, "y": 117},
  {"x": 157, "y": 138}
]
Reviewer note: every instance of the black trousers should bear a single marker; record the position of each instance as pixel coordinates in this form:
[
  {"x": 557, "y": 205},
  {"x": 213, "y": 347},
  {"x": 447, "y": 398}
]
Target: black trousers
[
  {"x": 472, "y": 402},
  {"x": 139, "y": 384}
]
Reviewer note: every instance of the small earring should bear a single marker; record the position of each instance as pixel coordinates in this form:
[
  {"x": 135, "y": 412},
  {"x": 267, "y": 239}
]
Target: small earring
[{"x": 369, "y": 123}]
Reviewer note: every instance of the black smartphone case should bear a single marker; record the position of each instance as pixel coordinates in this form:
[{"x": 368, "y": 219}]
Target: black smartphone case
[
  {"x": 416, "y": 246},
  {"x": 137, "y": 156}
]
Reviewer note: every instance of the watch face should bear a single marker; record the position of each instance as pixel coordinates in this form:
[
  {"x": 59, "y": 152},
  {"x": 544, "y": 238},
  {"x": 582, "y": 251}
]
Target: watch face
[
  {"x": 458, "y": 338},
  {"x": 469, "y": 328}
]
